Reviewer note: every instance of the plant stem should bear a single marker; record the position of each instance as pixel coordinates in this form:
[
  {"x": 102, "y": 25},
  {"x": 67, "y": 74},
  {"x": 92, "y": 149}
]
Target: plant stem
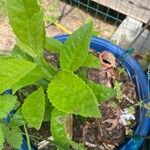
[
  {"x": 49, "y": 71},
  {"x": 49, "y": 68},
  {"x": 37, "y": 138},
  {"x": 27, "y": 136}
]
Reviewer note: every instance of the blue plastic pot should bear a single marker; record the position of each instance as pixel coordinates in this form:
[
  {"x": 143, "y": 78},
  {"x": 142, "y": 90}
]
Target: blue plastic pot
[{"x": 140, "y": 81}]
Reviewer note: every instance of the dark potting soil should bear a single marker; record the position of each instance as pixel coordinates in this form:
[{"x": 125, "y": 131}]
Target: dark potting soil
[
  {"x": 105, "y": 133},
  {"x": 41, "y": 134},
  {"x": 7, "y": 147}
]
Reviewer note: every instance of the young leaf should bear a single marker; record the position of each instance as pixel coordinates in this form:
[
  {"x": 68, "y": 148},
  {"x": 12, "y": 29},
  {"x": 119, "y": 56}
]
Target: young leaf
[
  {"x": 13, "y": 136},
  {"x": 58, "y": 128},
  {"x": 12, "y": 70},
  {"x": 33, "y": 76},
  {"x": 70, "y": 94},
  {"x": 7, "y": 103},
  {"x": 34, "y": 107},
  {"x": 75, "y": 50},
  {"x": 102, "y": 92},
  {"x": 91, "y": 61},
  {"x": 26, "y": 20},
  {"x": 18, "y": 53},
  {"x": 1, "y": 138},
  {"x": 53, "y": 45}
]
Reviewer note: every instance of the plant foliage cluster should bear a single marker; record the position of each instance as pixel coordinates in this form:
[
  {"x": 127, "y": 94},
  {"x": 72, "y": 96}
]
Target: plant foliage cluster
[{"x": 60, "y": 92}]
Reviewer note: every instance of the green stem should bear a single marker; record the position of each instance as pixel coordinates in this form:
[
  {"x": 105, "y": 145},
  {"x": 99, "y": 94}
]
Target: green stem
[
  {"x": 49, "y": 68},
  {"x": 49, "y": 71},
  {"x": 27, "y": 136},
  {"x": 38, "y": 138}
]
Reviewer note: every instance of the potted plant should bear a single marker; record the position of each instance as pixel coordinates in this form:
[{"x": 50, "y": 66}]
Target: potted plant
[{"x": 61, "y": 91}]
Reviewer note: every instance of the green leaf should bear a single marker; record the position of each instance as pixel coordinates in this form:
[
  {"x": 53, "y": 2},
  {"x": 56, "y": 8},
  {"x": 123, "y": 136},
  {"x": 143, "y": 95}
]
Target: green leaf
[
  {"x": 59, "y": 129},
  {"x": 2, "y": 140},
  {"x": 26, "y": 20},
  {"x": 53, "y": 45},
  {"x": 7, "y": 103},
  {"x": 102, "y": 92},
  {"x": 18, "y": 119},
  {"x": 70, "y": 94},
  {"x": 75, "y": 50},
  {"x": 34, "y": 75},
  {"x": 12, "y": 70},
  {"x": 95, "y": 33},
  {"x": 34, "y": 107},
  {"x": 91, "y": 61},
  {"x": 13, "y": 136},
  {"x": 82, "y": 73},
  {"x": 77, "y": 146},
  {"x": 18, "y": 53}
]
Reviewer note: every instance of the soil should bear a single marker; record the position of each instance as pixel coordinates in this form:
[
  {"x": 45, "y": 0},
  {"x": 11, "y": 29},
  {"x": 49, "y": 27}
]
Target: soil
[
  {"x": 42, "y": 132},
  {"x": 7, "y": 147}
]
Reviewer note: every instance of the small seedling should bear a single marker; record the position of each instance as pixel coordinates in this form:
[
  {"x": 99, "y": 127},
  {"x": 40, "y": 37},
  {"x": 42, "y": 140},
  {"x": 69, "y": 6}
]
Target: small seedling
[
  {"x": 114, "y": 105},
  {"x": 117, "y": 88},
  {"x": 121, "y": 71}
]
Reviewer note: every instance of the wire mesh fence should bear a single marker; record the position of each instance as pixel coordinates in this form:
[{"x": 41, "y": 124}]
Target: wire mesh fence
[{"x": 128, "y": 18}]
